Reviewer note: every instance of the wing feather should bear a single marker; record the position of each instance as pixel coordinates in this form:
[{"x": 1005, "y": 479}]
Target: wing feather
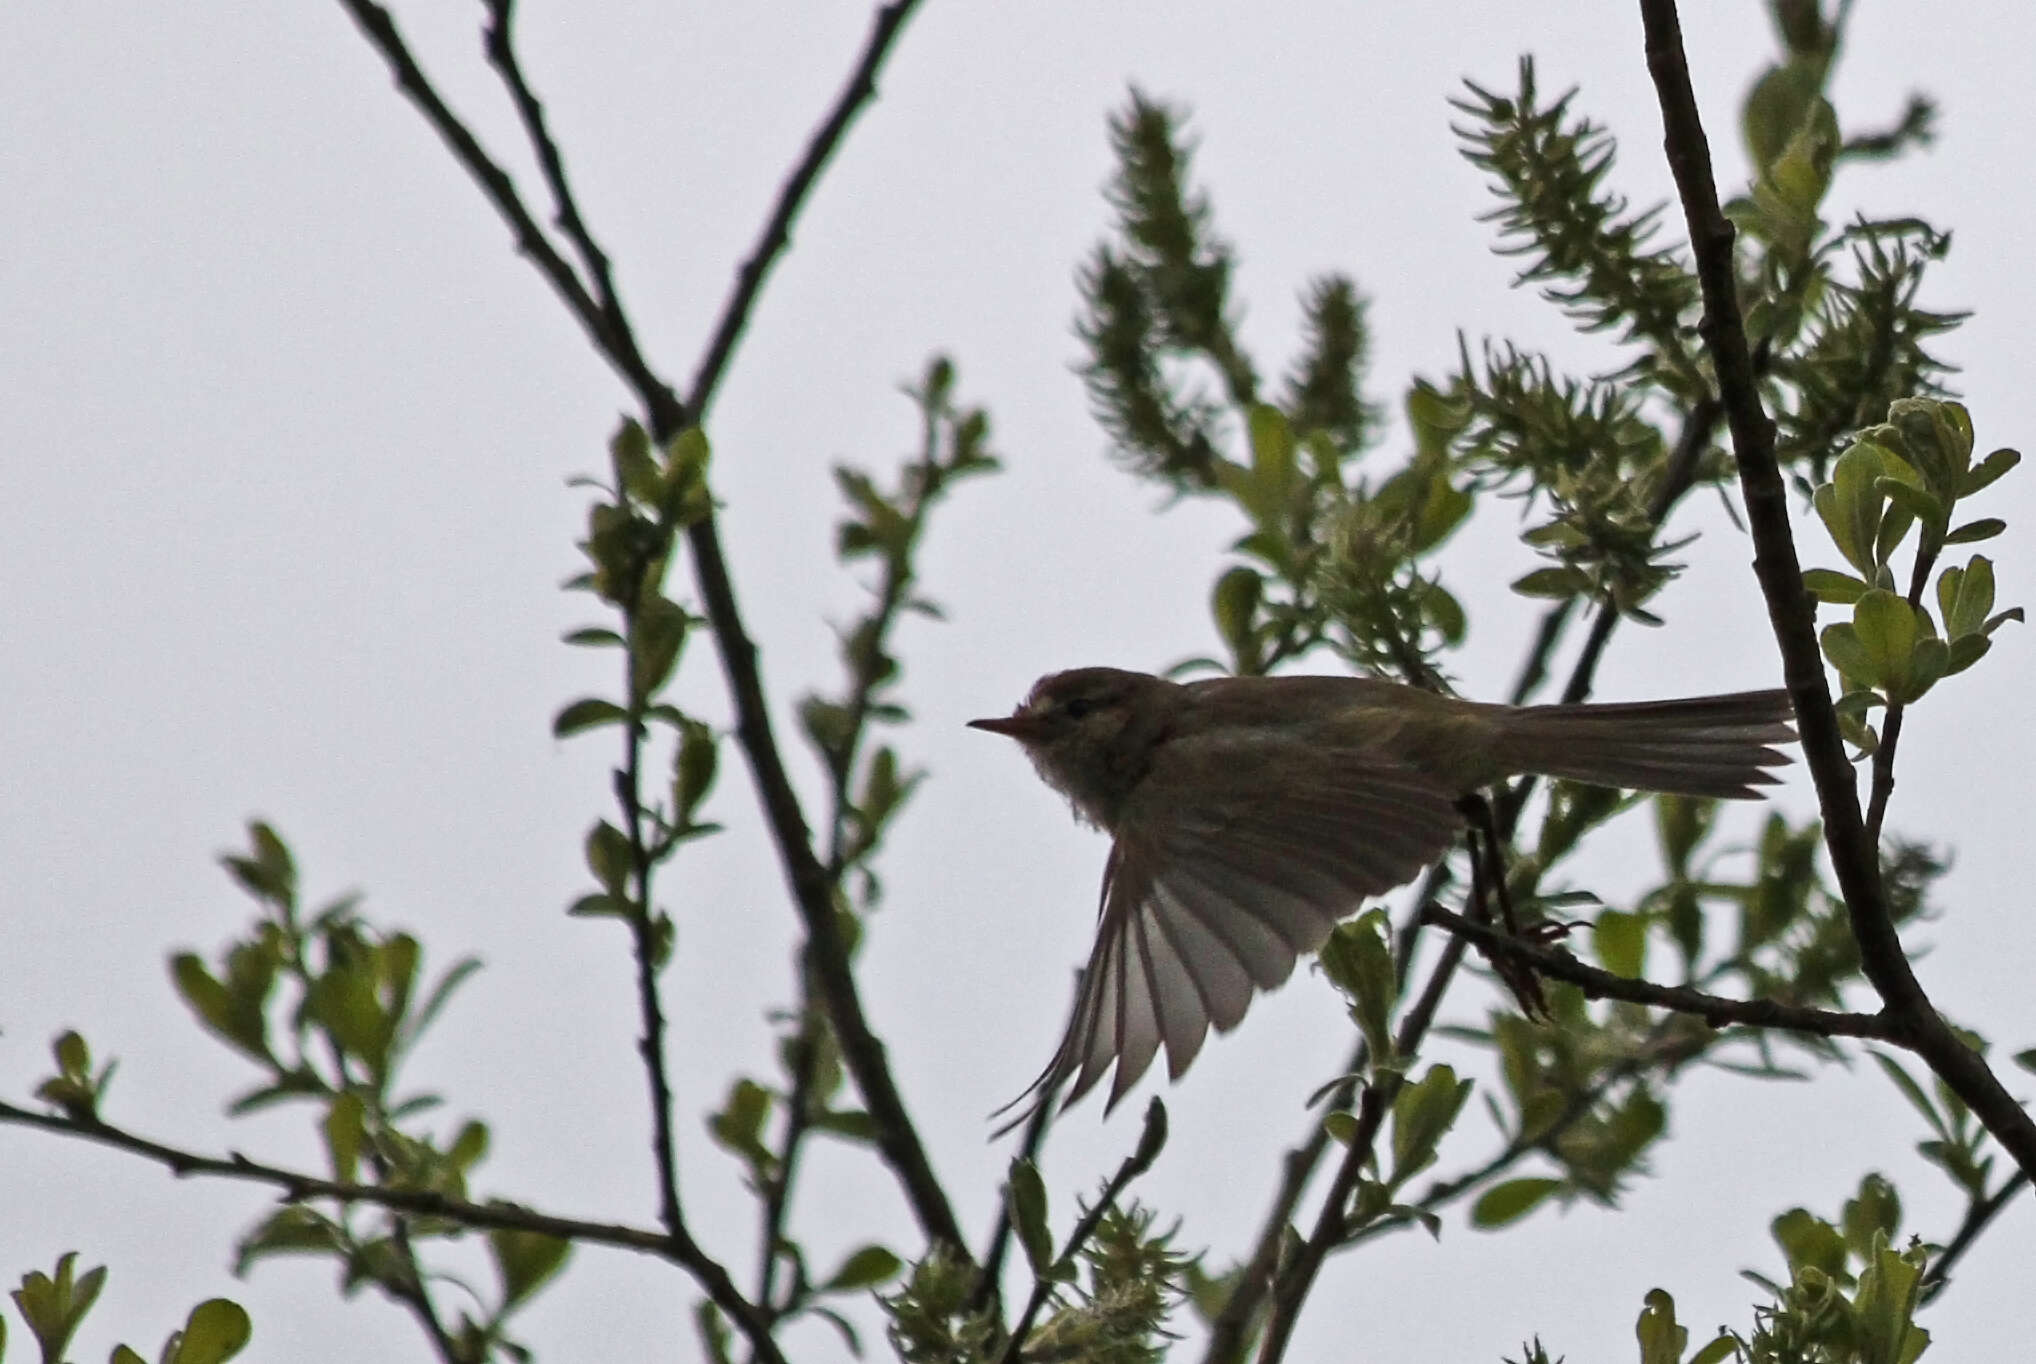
[{"x": 1217, "y": 883}]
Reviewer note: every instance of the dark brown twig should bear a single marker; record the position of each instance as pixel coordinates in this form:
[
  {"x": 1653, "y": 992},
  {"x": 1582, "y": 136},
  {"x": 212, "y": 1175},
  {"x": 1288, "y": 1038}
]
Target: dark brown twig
[
  {"x": 1854, "y": 858},
  {"x": 298, "y": 1187},
  {"x": 1719, "y": 1011},
  {"x": 777, "y": 234},
  {"x": 1977, "y": 1218}
]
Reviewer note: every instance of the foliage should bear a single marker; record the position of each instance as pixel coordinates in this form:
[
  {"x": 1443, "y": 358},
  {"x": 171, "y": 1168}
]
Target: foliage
[{"x": 1343, "y": 549}]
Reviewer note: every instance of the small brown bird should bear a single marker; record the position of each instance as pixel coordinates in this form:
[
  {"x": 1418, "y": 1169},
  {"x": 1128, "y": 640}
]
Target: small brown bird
[{"x": 1250, "y": 814}]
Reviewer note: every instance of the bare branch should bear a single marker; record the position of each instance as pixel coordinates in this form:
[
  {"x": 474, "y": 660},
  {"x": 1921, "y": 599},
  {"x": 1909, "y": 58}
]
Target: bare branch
[
  {"x": 1719, "y": 1011},
  {"x": 777, "y": 234},
  {"x": 299, "y": 1187}
]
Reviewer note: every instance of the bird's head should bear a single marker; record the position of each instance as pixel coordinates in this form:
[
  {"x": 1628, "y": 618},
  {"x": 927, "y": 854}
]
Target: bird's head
[{"x": 1091, "y": 733}]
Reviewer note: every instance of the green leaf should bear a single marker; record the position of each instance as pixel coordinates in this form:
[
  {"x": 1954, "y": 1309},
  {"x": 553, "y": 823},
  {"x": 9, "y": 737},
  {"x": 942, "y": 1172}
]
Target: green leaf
[
  {"x": 1422, "y": 1113},
  {"x": 1887, "y": 632},
  {"x": 1358, "y": 959},
  {"x": 597, "y": 905},
  {"x": 1025, "y": 1200},
  {"x": 525, "y": 1261},
  {"x": 345, "y": 1126},
  {"x": 1850, "y": 504},
  {"x": 231, "y": 1016},
  {"x": 1722, "y": 1348},
  {"x": 1509, "y": 1202},
  {"x": 1808, "y": 1241},
  {"x": 609, "y": 857},
  {"x": 865, "y": 1268},
  {"x": 217, "y": 1329},
  {"x": 1829, "y": 585},
  {"x": 1661, "y": 1339},
  {"x": 289, "y": 1231},
  {"x": 593, "y": 636},
  {"x": 635, "y": 470},
  {"x": 1986, "y": 528},
  {"x": 586, "y": 713},
  {"x": 738, "y": 1127},
  {"x": 1876, "y": 1210},
  {"x": 1620, "y": 940},
  {"x": 659, "y": 636},
  {"x": 1552, "y": 582},
  {"x": 1234, "y": 603},
  {"x": 1848, "y": 654},
  {"x": 1272, "y": 459},
  {"x": 1965, "y": 596},
  {"x": 693, "y": 768},
  {"x": 1990, "y": 469},
  {"x": 714, "y": 1332},
  {"x": 1884, "y": 1308}
]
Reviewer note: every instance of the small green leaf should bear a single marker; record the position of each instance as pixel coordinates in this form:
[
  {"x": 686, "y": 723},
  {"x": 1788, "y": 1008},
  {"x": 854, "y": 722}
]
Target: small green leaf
[
  {"x": 1422, "y": 1113},
  {"x": 586, "y": 713},
  {"x": 1829, "y": 585},
  {"x": 596, "y": 905},
  {"x": 1620, "y": 940},
  {"x": 1848, "y": 654},
  {"x": 693, "y": 768},
  {"x": 1721, "y": 1348},
  {"x": 217, "y": 1330},
  {"x": 738, "y": 1127},
  {"x": 1272, "y": 457},
  {"x": 865, "y": 1268},
  {"x": 1552, "y": 582},
  {"x": 609, "y": 857},
  {"x": 1990, "y": 469},
  {"x": 1661, "y": 1339},
  {"x": 1506, "y": 1203},
  {"x": 525, "y": 1261},
  {"x": 1986, "y": 528},
  {"x": 1358, "y": 959},
  {"x": 659, "y": 636},
  {"x": 1234, "y": 603},
  {"x": 1025, "y": 1199},
  {"x": 593, "y": 636},
  {"x": 345, "y": 1127}
]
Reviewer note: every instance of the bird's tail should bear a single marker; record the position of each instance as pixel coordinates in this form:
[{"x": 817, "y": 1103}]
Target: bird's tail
[{"x": 1701, "y": 746}]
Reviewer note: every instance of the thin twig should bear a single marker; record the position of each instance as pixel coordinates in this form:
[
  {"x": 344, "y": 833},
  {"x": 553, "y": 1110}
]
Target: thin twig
[
  {"x": 299, "y": 1187},
  {"x": 1977, "y": 1218},
  {"x": 376, "y": 23},
  {"x": 1854, "y": 858},
  {"x": 1719, "y": 1011},
  {"x": 500, "y": 45},
  {"x": 777, "y": 234}
]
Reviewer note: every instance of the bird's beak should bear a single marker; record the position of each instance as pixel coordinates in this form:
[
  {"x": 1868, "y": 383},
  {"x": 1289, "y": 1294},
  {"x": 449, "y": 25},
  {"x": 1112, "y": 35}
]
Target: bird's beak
[{"x": 1020, "y": 726}]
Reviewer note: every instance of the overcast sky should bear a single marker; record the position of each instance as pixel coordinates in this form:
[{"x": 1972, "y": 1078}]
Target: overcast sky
[{"x": 282, "y": 457}]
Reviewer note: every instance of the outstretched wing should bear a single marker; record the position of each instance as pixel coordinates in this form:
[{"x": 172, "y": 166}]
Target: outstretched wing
[{"x": 1210, "y": 897}]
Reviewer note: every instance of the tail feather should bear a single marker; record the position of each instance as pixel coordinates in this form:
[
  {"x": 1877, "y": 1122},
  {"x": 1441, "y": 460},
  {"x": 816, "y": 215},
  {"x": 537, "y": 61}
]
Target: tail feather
[{"x": 1704, "y": 746}]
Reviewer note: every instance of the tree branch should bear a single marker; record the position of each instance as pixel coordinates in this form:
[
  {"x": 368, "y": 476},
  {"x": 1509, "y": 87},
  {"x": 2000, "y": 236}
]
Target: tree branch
[
  {"x": 777, "y": 234},
  {"x": 1854, "y": 858},
  {"x": 1719, "y": 1011},
  {"x": 298, "y": 1187},
  {"x": 668, "y": 415}
]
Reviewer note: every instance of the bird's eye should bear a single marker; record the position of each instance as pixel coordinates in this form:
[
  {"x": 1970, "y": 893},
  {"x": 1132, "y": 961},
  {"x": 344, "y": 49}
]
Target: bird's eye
[{"x": 1077, "y": 707}]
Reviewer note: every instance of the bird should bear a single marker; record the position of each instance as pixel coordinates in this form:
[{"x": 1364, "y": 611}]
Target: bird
[{"x": 1249, "y": 815}]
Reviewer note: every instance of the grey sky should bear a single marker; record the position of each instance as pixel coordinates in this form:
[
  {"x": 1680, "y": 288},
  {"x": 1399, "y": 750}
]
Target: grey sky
[{"x": 285, "y": 431}]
